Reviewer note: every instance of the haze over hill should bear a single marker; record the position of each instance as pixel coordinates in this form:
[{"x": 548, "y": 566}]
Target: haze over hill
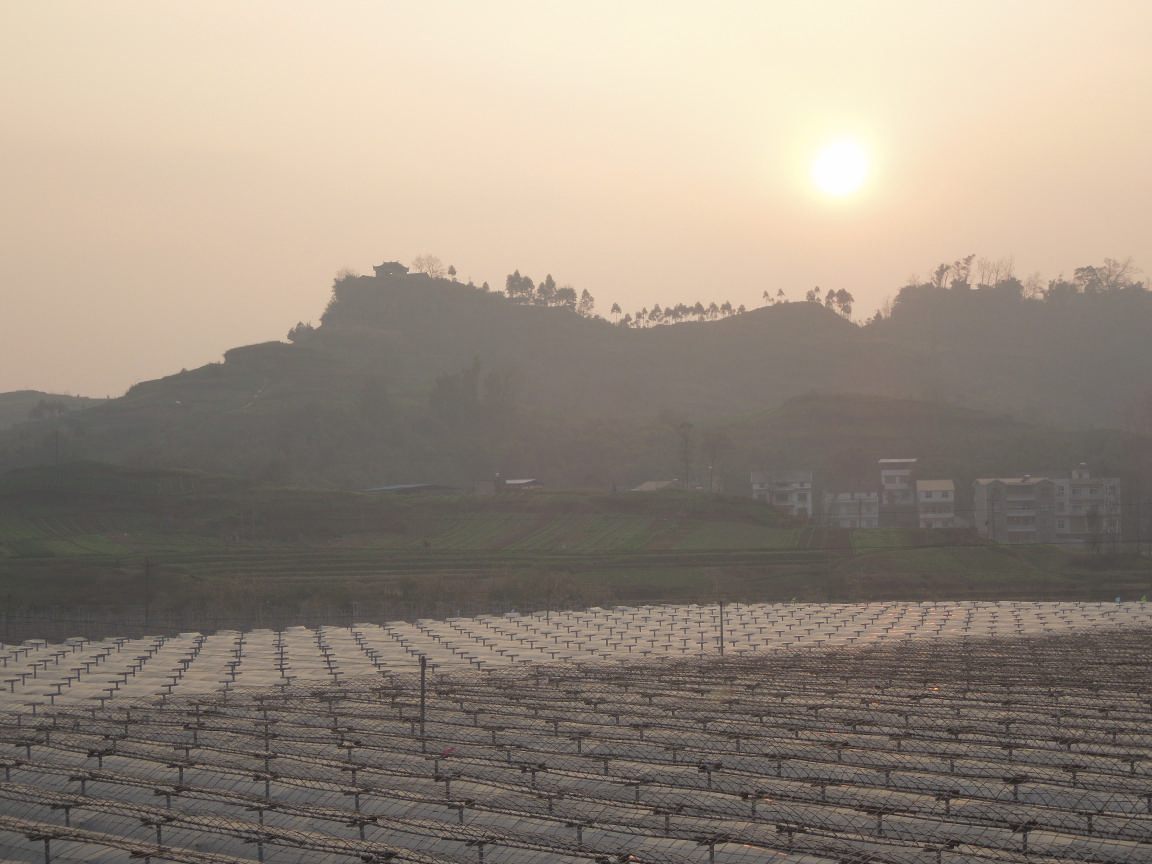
[{"x": 409, "y": 378}]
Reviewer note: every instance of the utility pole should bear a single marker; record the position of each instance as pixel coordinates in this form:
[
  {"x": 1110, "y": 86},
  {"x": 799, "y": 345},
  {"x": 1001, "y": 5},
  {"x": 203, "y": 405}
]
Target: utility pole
[
  {"x": 423, "y": 693},
  {"x": 721, "y": 628}
]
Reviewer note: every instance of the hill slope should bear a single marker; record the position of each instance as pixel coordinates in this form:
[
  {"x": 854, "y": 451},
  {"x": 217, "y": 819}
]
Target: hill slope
[{"x": 411, "y": 379}]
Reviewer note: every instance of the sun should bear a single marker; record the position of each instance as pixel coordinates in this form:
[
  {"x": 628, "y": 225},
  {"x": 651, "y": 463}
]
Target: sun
[{"x": 840, "y": 168}]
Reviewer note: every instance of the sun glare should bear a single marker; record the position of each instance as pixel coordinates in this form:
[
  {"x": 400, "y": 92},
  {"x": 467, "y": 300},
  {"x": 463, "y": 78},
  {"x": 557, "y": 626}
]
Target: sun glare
[{"x": 840, "y": 168}]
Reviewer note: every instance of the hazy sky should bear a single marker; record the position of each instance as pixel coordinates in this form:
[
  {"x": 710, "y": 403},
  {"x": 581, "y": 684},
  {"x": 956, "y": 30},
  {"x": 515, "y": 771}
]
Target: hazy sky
[{"x": 180, "y": 178}]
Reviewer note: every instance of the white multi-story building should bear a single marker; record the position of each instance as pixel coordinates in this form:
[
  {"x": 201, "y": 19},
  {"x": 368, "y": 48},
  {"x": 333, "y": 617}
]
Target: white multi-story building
[
  {"x": 936, "y": 503},
  {"x": 852, "y": 509},
  {"x": 790, "y": 491},
  {"x": 898, "y": 492},
  {"x": 1014, "y": 509},
  {"x": 1076, "y": 509},
  {"x": 1087, "y": 507}
]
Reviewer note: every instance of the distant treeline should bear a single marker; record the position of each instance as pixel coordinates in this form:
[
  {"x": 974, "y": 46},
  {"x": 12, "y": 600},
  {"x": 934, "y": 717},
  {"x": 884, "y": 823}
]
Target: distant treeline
[{"x": 994, "y": 276}]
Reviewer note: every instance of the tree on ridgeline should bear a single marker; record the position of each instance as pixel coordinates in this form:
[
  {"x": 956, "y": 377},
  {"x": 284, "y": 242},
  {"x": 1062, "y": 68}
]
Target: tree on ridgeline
[
  {"x": 301, "y": 332},
  {"x": 545, "y": 292},
  {"x": 519, "y": 289},
  {"x": 565, "y": 297},
  {"x": 961, "y": 272},
  {"x": 843, "y": 300},
  {"x": 1113, "y": 276},
  {"x": 429, "y": 265}
]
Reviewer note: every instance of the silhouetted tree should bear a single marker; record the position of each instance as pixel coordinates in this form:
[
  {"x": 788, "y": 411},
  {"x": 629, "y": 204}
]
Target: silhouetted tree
[
  {"x": 545, "y": 292},
  {"x": 1010, "y": 287},
  {"x": 1060, "y": 290},
  {"x": 990, "y": 271},
  {"x": 565, "y": 297},
  {"x": 519, "y": 289},
  {"x": 961, "y": 270},
  {"x": 429, "y": 264},
  {"x": 301, "y": 332},
  {"x": 1114, "y": 275},
  {"x": 940, "y": 276},
  {"x": 844, "y": 300}
]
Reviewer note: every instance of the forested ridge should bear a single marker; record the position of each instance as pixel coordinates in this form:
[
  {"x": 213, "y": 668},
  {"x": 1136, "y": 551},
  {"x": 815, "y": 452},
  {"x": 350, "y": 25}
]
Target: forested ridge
[{"x": 415, "y": 377}]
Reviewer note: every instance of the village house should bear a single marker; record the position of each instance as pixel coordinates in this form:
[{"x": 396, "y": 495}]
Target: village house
[
  {"x": 790, "y": 491},
  {"x": 897, "y": 493},
  {"x": 936, "y": 503},
  {"x": 1014, "y": 509},
  {"x": 1087, "y": 507}
]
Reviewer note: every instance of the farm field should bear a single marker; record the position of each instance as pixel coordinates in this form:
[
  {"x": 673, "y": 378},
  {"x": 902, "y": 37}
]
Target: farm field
[{"x": 86, "y": 547}]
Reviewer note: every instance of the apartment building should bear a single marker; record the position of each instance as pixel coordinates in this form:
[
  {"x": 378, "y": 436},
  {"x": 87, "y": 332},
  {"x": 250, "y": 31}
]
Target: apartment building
[
  {"x": 897, "y": 493},
  {"x": 1015, "y": 509},
  {"x": 1087, "y": 508},
  {"x": 790, "y": 491},
  {"x": 936, "y": 503}
]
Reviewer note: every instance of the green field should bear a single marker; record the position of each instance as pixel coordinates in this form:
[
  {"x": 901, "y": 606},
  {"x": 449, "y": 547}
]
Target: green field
[{"x": 182, "y": 550}]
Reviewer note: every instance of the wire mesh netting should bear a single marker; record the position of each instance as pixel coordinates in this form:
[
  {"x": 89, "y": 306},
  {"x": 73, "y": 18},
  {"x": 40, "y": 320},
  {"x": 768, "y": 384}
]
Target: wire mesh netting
[{"x": 800, "y": 733}]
